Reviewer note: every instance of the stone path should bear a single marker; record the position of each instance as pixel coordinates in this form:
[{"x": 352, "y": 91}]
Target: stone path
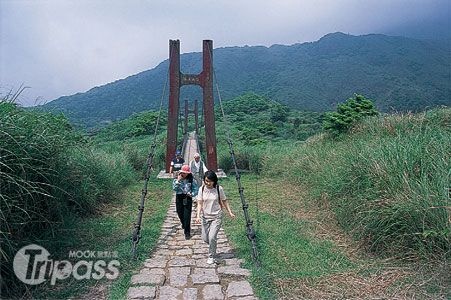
[{"x": 178, "y": 269}]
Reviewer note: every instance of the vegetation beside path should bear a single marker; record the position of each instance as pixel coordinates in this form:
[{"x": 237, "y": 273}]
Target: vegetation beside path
[
  {"x": 359, "y": 214},
  {"x": 110, "y": 230},
  {"x": 65, "y": 192},
  {"x": 377, "y": 193},
  {"x": 306, "y": 254}
]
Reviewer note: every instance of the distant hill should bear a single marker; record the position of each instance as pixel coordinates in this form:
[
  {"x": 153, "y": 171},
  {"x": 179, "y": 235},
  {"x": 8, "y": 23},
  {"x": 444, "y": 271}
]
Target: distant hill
[{"x": 397, "y": 73}]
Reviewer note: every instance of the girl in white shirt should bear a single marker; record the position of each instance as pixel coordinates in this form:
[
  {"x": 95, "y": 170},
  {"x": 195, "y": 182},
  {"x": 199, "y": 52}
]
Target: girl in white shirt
[{"x": 211, "y": 200}]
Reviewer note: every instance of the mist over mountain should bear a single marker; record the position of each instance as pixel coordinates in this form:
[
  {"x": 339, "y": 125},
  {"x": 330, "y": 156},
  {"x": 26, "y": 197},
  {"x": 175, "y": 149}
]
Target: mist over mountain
[
  {"x": 397, "y": 73},
  {"x": 436, "y": 28}
]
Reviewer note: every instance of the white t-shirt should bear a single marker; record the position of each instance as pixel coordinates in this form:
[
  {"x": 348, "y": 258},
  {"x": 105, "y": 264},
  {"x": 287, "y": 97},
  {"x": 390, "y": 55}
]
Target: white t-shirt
[{"x": 210, "y": 204}]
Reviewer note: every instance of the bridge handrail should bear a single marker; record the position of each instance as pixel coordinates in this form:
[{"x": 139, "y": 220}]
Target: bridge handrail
[
  {"x": 185, "y": 141},
  {"x": 136, "y": 235}
]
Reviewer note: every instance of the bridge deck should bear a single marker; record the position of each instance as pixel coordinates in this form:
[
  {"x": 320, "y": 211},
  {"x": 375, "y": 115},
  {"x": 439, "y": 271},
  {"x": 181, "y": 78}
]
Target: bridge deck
[
  {"x": 188, "y": 154},
  {"x": 191, "y": 147}
]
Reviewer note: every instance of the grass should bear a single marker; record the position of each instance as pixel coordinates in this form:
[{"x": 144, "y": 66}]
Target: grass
[
  {"x": 387, "y": 181},
  {"x": 110, "y": 230},
  {"x": 287, "y": 249},
  {"x": 48, "y": 171},
  {"x": 305, "y": 253},
  {"x": 378, "y": 194},
  {"x": 362, "y": 215},
  {"x": 136, "y": 149},
  {"x": 60, "y": 190}
]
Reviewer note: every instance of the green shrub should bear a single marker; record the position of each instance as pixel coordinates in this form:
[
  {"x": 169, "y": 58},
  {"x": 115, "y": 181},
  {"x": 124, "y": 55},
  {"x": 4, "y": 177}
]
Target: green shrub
[
  {"x": 247, "y": 158},
  {"x": 255, "y": 120},
  {"x": 348, "y": 113},
  {"x": 139, "y": 124}
]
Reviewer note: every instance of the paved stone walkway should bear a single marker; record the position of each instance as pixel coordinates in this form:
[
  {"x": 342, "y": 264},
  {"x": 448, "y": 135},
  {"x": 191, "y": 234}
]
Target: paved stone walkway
[{"x": 178, "y": 268}]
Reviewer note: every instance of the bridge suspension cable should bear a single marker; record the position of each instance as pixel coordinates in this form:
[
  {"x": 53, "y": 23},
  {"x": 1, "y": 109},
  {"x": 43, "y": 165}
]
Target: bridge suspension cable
[
  {"x": 250, "y": 232},
  {"x": 136, "y": 235}
]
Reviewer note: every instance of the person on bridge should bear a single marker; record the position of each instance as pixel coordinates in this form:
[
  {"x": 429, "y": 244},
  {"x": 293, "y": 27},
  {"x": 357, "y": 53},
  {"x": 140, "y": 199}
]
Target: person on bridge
[
  {"x": 176, "y": 163},
  {"x": 198, "y": 168},
  {"x": 211, "y": 200},
  {"x": 185, "y": 188}
]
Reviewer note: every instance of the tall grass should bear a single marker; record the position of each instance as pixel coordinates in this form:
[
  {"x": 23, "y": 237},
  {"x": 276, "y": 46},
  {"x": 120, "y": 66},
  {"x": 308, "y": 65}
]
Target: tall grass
[
  {"x": 387, "y": 181},
  {"x": 47, "y": 171},
  {"x": 90, "y": 176},
  {"x": 247, "y": 158},
  {"x": 136, "y": 149}
]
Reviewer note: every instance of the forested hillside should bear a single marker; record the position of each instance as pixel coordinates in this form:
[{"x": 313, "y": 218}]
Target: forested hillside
[{"x": 400, "y": 74}]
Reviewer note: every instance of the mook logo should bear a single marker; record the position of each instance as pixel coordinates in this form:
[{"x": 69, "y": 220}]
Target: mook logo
[{"x": 32, "y": 265}]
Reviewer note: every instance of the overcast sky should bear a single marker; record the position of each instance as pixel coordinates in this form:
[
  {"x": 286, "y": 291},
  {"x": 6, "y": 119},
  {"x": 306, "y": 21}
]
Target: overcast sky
[{"x": 61, "y": 47}]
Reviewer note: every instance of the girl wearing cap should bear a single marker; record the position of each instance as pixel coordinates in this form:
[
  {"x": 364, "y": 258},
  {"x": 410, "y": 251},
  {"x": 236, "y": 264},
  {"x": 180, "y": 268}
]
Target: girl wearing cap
[
  {"x": 211, "y": 201},
  {"x": 185, "y": 188}
]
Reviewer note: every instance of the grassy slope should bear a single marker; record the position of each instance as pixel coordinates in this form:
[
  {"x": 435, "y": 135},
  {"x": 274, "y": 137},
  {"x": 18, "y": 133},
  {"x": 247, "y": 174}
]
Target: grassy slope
[
  {"x": 383, "y": 184},
  {"x": 386, "y": 181},
  {"x": 287, "y": 248},
  {"x": 110, "y": 230},
  {"x": 304, "y": 252}
]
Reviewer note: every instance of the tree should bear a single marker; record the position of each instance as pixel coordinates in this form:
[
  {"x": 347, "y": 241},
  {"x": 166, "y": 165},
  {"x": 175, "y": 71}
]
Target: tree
[
  {"x": 279, "y": 113},
  {"x": 348, "y": 113}
]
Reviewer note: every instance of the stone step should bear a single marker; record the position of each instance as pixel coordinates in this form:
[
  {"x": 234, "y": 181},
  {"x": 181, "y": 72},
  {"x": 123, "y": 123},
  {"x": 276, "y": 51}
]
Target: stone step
[{"x": 178, "y": 269}]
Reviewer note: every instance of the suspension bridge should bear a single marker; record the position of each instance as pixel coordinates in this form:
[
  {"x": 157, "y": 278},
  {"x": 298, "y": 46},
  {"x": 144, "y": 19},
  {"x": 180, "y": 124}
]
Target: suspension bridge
[{"x": 177, "y": 268}]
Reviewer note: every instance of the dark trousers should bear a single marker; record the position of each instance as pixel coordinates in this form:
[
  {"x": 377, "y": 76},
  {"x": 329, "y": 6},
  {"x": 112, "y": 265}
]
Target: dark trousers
[{"x": 184, "y": 207}]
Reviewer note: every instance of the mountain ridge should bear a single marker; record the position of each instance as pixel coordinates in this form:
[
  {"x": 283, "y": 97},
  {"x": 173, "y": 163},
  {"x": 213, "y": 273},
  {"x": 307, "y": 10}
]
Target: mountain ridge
[{"x": 398, "y": 73}]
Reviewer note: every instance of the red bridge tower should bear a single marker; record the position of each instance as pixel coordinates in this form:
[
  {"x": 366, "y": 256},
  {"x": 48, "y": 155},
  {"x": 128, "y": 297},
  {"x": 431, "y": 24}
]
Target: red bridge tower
[{"x": 205, "y": 81}]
